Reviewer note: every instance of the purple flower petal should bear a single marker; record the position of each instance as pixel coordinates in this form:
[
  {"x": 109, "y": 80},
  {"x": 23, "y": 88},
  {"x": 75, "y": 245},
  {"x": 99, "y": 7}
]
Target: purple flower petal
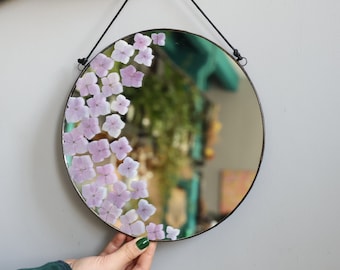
[
  {"x": 121, "y": 104},
  {"x": 155, "y": 231},
  {"x": 122, "y": 52},
  {"x": 139, "y": 189},
  {"x": 125, "y": 228},
  {"x": 131, "y": 77},
  {"x": 137, "y": 228},
  {"x": 141, "y": 41},
  {"x": 130, "y": 224},
  {"x": 109, "y": 213},
  {"x": 172, "y": 233},
  {"x": 106, "y": 175},
  {"x": 99, "y": 149},
  {"x": 144, "y": 57},
  {"x": 88, "y": 84},
  {"x": 121, "y": 148},
  {"x": 145, "y": 210},
  {"x": 120, "y": 195},
  {"x": 98, "y": 106},
  {"x": 101, "y": 64},
  {"x": 93, "y": 195},
  {"x": 111, "y": 85},
  {"x": 129, "y": 217},
  {"x": 90, "y": 127},
  {"x": 81, "y": 169},
  {"x": 76, "y": 110},
  {"x": 113, "y": 125},
  {"x": 158, "y": 39},
  {"x": 128, "y": 168},
  {"x": 74, "y": 143}
]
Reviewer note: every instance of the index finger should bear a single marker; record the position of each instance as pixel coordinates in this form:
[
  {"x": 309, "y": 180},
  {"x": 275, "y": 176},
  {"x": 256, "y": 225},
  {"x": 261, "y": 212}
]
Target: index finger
[
  {"x": 117, "y": 241},
  {"x": 144, "y": 261}
]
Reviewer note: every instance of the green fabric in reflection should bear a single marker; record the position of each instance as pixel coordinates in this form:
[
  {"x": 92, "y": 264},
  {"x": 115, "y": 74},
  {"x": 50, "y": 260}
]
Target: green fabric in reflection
[{"x": 201, "y": 60}]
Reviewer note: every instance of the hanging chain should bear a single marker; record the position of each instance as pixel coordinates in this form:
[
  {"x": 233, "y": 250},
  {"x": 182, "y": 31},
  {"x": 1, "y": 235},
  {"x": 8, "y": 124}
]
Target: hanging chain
[{"x": 236, "y": 53}]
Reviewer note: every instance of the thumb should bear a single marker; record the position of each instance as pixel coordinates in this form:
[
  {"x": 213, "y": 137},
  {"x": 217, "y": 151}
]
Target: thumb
[{"x": 128, "y": 252}]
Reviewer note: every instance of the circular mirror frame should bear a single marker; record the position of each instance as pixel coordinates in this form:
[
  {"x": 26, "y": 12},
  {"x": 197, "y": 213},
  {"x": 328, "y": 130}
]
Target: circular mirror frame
[{"x": 120, "y": 66}]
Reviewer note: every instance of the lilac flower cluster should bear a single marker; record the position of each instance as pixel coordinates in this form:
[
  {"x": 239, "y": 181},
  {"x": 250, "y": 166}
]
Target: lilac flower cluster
[{"x": 100, "y": 166}]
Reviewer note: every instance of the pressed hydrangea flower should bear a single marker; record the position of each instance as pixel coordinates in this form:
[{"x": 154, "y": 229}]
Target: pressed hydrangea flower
[
  {"x": 135, "y": 229},
  {"x": 131, "y": 77},
  {"x": 113, "y": 125},
  {"x": 122, "y": 52},
  {"x": 130, "y": 225},
  {"x": 144, "y": 57},
  {"x": 109, "y": 212},
  {"x": 141, "y": 41},
  {"x": 155, "y": 231},
  {"x": 120, "y": 195},
  {"x": 111, "y": 85},
  {"x": 121, "y": 148},
  {"x": 90, "y": 127},
  {"x": 139, "y": 189},
  {"x": 145, "y": 209},
  {"x": 106, "y": 175},
  {"x": 88, "y": 84},
  {"x": 93, "y": 195},
  {"x": 74, "y": 142},
  {"x": 76, "y": 109},
  {"x": 172, "y": 233},
  {"x": 129, "y": 167},
  {"x": 121, "y": 104},
  {"x": 129, "y": 217},
  {"x": 99, "y": 149},
  {"x": 81, "y": 169},
  {"x": 158, "y": 39},
  {"x": 101, "y": 64},
  {"x": 98, "y": 106}
]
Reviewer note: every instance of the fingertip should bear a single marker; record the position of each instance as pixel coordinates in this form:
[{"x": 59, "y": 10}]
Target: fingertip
[
  {"x": 152, "y": 248},
  {"x": 145, "y": 259},
  {"x": 142, "y": 243},
  {"x": 131, "y": 250}
]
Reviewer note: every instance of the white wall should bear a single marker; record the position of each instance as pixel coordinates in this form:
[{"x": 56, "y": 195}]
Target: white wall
[{"x": 291, "y": 218}]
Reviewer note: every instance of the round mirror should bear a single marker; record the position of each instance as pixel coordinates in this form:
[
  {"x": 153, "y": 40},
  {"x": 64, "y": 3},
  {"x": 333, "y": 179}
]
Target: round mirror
[{"x": 162, "y": 134}]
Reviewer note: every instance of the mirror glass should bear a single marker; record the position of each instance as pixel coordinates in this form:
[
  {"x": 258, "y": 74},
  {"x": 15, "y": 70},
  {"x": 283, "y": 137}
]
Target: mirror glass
[{"x": 162, "y": 134}]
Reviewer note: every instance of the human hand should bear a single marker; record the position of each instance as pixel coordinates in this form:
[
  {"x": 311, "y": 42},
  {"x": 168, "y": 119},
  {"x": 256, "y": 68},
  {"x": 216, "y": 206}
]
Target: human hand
[{"x": 121, "y": 253}]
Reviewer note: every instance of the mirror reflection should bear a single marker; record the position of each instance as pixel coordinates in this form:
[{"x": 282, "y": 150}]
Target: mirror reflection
[{"x": 162, "y": 135}]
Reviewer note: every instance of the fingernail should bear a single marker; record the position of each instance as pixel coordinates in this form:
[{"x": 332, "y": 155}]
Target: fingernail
[{"x": 142, "y": 243}]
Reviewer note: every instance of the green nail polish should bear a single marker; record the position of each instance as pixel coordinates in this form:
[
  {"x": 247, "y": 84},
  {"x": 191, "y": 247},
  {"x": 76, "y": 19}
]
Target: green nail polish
[{"x": 142, "y": 243}]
